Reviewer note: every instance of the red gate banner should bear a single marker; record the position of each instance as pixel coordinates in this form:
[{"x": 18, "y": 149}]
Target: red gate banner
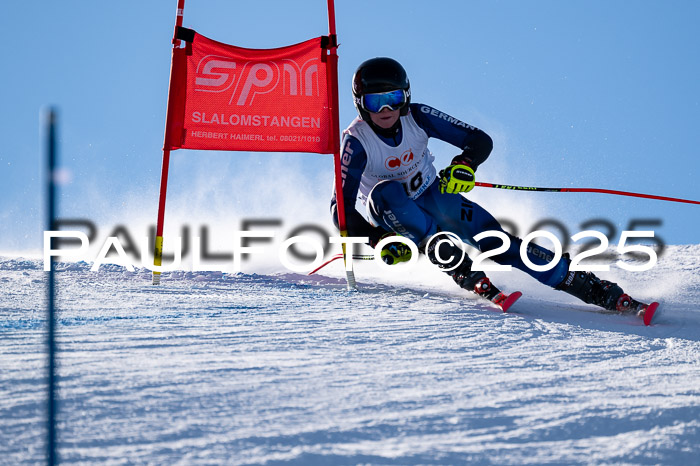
[{"x": 224, "y": 97}]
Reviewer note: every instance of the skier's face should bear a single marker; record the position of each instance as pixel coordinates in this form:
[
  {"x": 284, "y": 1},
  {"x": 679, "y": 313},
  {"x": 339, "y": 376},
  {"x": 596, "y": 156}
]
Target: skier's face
[{"x": 385, "y": 118}]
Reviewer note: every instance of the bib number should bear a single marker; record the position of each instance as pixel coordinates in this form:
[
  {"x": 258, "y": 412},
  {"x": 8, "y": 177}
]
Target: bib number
[{"x": 413, "y": 185}]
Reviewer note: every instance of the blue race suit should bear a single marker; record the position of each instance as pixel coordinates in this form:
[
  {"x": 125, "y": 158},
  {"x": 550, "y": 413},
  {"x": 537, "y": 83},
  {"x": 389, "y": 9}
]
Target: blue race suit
[{"x": 389, "y": 207}]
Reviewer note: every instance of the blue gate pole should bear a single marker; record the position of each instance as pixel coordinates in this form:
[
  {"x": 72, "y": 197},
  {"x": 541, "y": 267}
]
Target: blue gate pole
[{"x": 50, "y": 221}]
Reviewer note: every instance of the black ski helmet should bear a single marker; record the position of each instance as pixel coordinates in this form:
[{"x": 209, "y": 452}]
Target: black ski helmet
[{"x": 381, "y": 74}]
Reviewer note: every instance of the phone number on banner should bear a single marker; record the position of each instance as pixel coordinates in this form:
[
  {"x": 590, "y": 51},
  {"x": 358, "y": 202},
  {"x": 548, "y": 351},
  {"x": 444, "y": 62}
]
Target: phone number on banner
[{"x": 299, "y": 138}]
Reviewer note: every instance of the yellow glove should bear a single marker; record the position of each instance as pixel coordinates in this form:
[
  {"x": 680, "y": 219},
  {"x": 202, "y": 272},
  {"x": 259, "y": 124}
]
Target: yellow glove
[
  {"x": 394, "y": 253},
  {"x": 457, "y": 178}
]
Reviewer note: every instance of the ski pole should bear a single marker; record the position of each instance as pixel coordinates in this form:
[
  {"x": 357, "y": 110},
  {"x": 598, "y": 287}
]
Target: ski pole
[
  {"x": 364, "y": 257},
  {"x": 583, "y": 190}
]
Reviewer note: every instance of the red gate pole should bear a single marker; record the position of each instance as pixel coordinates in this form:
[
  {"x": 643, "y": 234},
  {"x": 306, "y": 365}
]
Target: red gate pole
[
  {"x": 158, "y": 250},
  {"x": 335, "y": 129}
]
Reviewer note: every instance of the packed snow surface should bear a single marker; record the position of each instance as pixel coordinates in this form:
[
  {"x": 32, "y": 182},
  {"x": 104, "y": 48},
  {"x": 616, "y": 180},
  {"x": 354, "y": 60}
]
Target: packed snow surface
[{"x": 215, "y": 368}]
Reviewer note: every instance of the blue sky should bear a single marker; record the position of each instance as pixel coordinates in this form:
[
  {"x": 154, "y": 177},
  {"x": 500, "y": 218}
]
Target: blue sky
[{"x": 601, "y": 94}]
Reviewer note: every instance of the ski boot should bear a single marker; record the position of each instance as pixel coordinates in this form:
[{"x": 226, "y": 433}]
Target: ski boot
[{"x": 592, "y": 290}]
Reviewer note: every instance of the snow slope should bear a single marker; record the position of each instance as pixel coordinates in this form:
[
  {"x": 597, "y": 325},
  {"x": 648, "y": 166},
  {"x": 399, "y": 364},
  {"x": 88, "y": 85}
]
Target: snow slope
[{"x": 210, "y": 368}]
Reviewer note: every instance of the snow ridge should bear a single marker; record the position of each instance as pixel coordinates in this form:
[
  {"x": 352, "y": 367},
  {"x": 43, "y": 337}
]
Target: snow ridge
[{"x": 284, "y": 368}]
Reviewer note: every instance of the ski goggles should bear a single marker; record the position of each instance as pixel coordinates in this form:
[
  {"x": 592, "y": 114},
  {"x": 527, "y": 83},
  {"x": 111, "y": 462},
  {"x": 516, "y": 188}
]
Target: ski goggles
[{"x": 375, "y": 103}]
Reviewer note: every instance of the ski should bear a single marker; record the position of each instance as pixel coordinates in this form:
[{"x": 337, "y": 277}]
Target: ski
[
  {"x": 485, "y": 289},
  {"x": 505, "y": 301},
  {"x": 627, "y": 305},
  {"x": 648, "y": 313}
]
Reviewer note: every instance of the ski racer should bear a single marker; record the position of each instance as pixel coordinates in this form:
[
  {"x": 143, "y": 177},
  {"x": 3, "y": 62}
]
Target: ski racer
[{"x": 391, "y": 187}]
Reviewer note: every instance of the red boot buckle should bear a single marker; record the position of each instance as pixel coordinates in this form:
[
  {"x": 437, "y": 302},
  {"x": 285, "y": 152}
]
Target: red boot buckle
[
  {"x": 623, "y": 303},
  {"x": 482, "y": 286}
]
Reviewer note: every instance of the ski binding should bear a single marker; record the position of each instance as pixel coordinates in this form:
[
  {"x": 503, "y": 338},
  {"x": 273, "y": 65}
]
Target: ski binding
[{"x": 628, "y": 305}]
